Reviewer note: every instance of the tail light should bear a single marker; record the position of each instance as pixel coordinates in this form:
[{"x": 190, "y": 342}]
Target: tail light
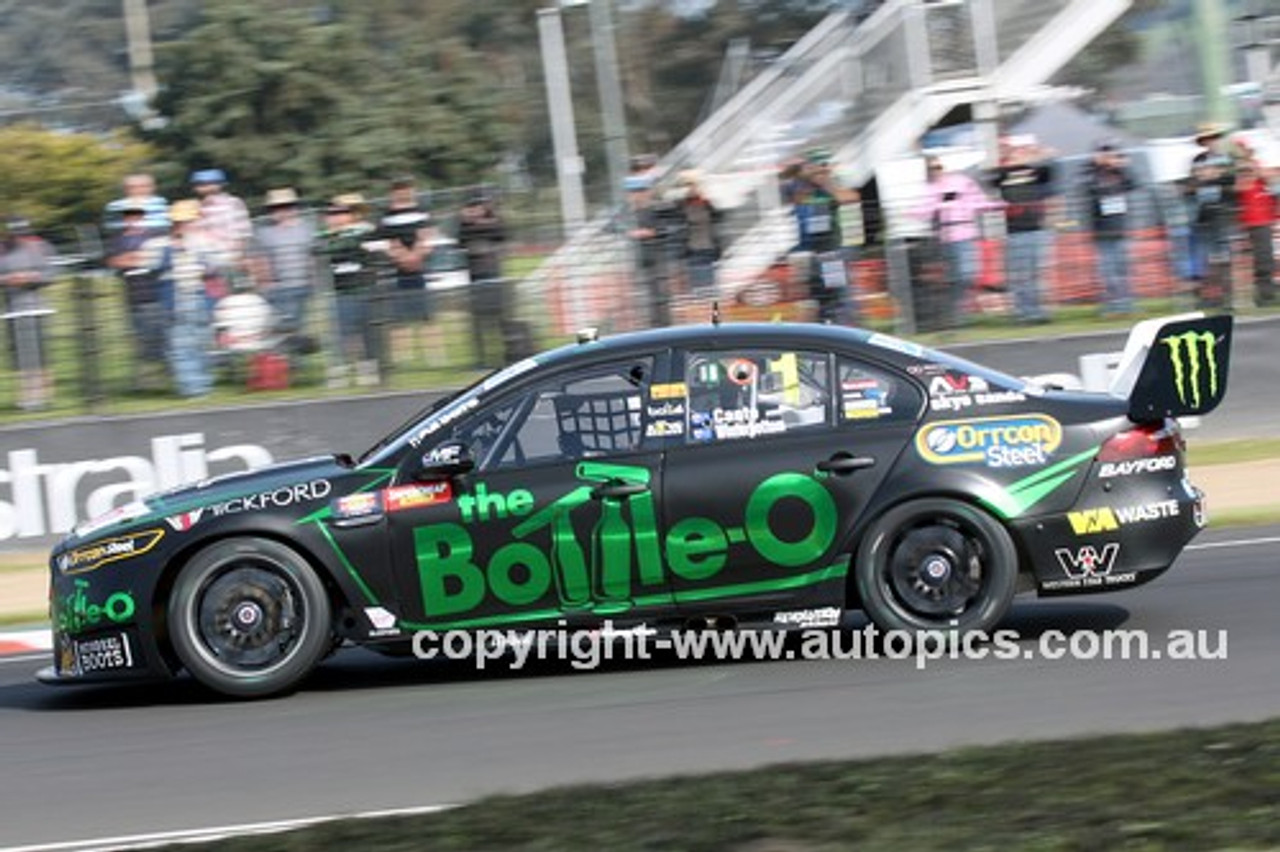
[{"x": 1144, "y": 441}]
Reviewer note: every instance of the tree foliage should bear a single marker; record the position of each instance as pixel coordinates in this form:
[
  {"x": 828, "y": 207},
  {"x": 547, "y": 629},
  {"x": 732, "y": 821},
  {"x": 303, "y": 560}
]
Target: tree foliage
[{"x": 58, "y": 179}]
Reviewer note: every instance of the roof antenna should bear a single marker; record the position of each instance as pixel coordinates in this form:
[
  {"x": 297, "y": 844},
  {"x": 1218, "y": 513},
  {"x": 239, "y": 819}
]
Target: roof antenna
[{"x": 715, "y": 313}]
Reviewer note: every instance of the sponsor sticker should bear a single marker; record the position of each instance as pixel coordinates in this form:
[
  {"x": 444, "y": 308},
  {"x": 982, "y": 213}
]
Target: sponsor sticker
[
  {"x": 416, "y": 496},
  {"x": 1108, "y": 519},
  {"x": 382, "y": 620},
  {"x": 184, "y": 521},
  {"x": 1133, "y": 467},
  {"x": 666, "y": 409},
  {"x": 363, "y": 505},
  {"x": 443, "y": 418},
  {"x": 85, "y": 559},
  {"x": 106, "y": 653},
  {"x": 664, "y": 428},
  {"x": 827, "y": 616},
  {"x": 672, "y": 390},
  {"x": 1193, "y": 355},
  {"x": 997, "y": 442},
  {"x": 279, "y": 498},
  {"x": 1088, "y": 561}
]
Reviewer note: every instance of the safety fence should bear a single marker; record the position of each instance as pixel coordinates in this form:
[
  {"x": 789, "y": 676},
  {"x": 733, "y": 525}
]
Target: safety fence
[{"x": 84, "y": 340}]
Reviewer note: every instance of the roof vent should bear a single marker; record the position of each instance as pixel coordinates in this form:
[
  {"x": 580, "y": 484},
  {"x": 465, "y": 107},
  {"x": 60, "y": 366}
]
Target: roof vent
[{"x": 588, "y": 335}]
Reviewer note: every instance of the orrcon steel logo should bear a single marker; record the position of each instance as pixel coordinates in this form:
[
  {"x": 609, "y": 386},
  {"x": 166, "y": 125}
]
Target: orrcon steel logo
[{"x": 1194, "y": 357}]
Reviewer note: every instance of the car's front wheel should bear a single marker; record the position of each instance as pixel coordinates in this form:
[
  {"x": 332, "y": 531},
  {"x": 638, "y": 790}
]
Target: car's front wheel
[
  {"x": 248, "y": 617},
  {"x": 936, "y": 564}
]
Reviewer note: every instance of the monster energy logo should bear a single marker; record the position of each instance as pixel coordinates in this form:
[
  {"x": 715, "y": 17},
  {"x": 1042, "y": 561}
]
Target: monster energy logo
[{"x": 1186, "y": 351}]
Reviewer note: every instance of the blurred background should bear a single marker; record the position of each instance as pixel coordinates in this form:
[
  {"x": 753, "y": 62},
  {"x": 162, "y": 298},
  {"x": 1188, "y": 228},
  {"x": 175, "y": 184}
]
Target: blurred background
[{"x": 636, "y": 163}]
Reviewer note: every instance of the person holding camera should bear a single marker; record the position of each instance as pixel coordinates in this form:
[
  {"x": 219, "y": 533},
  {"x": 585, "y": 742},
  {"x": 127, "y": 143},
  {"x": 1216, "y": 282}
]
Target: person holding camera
[{"x": 954, "y": 203}]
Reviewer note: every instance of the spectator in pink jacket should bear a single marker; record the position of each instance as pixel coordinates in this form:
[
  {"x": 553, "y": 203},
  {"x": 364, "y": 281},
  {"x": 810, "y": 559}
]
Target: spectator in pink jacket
[{"x": 954, "y": 202}]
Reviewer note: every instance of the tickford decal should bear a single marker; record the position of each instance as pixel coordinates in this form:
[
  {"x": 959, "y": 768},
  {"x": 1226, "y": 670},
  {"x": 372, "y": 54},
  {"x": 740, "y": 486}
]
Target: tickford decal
[
  {"x": 1016, "y": 441},
  {"x": 547, "y": 559},
  {"x": 1194, "y": 358},
  {"x": 85, "y": 559},
  {"x": 75, "y": 613}
]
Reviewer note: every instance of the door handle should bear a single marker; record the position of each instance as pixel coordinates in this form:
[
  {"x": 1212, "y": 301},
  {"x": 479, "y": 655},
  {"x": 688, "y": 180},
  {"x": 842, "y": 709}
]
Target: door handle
[
  {"x": 845, "y": 464},
  {"x": 617, "y": 489}
]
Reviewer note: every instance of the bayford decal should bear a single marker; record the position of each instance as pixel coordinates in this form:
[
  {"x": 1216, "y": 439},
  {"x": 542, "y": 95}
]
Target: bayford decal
[
  {"x": 547, "y": 558},
  {"x": 1194, "y": 358},
  {"x": 1018, "y": 441},
  {"x": 85, "y": 559},
  {"x": 75, "y": 613}
]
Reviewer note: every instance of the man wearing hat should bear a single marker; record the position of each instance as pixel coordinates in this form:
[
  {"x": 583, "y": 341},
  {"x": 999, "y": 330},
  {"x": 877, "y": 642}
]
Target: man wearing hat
[
  {"x": 817, "y": 198},
  {"x": 283, "y": 261},
  {"x": 482, "y": 235},
  {"x": 183, "y": 262},
  {"x": 26, "y": 268},
  {"x": 224, "y": 218},
  {"x": 1211, "y": 191}
]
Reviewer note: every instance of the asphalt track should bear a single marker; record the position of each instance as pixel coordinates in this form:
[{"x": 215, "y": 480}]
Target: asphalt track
[{"x": 369, "y": 733}]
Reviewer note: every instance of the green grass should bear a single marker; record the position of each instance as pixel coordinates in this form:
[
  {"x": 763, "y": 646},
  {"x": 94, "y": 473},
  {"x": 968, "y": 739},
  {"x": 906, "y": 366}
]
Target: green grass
[
  {"x": 1230, "y": 452},
  {"x": 1211, "y": 788}
]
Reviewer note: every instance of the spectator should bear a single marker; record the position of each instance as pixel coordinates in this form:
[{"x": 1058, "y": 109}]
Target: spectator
[
  {"x": 224, "y": 225},
  {"x": 953, "y": 203},
  {"x": 183, "y": 262},
  {"x": 147, "y": 314},
  {"x": 1258, "y": 209},
  {"x": 701, "y": 233},
  {"x": 1024, "y": 180},
  {"x": 1212, "y": 191},
  {"x": 26, "y": 268},
  {"x": 481, "y": 234},
  {"x": 406, "y": 231},
  {"x": 139, "y": 193},
  {"x": 1107, "y": 184},
  {"x": 652, "y": 229},
  {"x": 284, "y": 262},
  {"x": 817, "y": 196},
  {"x": 352, "y": 254}
]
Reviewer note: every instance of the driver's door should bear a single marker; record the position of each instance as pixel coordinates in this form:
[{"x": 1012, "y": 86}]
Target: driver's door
[{"x": 558, "y": 520}]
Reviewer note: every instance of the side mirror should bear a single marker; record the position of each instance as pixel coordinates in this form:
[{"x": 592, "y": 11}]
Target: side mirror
[{"x": 452, "y": 458}]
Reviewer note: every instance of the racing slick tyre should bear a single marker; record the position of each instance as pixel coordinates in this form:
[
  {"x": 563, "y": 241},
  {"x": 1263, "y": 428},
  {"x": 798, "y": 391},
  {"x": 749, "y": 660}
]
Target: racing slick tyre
[
  {"x": 248, "y": 617},
  {"x": 936, "y": 564}
]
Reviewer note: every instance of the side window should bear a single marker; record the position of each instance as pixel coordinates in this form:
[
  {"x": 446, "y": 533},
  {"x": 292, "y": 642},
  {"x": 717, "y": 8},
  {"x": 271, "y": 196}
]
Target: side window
[
  {"x": 579, "y": 415},
  {"x": 737, "y": 395},
  {"x": 873, "y": 395}
]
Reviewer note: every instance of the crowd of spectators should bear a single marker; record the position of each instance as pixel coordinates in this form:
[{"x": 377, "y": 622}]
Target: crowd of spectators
[{"x": 202, "y": 277}]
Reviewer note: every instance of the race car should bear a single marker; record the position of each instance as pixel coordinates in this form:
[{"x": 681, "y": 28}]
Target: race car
[{"x": 735, "y": 474}]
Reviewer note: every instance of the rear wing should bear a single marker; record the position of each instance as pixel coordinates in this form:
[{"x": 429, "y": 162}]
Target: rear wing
[{"x": 1175, "y": 366}]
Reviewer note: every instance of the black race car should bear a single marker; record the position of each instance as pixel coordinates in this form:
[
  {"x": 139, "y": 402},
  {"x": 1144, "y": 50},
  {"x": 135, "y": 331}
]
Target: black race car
[{"x": 737, "y": 474}]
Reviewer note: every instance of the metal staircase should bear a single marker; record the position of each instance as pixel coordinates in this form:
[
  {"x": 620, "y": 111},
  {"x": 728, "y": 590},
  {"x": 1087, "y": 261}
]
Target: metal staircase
[{"x": 868, "y": 90}]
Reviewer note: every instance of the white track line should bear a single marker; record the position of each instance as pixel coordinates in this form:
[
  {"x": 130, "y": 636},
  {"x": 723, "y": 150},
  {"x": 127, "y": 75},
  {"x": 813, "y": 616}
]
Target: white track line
[
  {"x": 1244, "y": 542},
  {"x": 201, "y": 835}
]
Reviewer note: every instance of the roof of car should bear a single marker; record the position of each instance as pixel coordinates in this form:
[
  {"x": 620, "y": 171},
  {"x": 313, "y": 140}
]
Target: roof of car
[{"x": 729, "y": 334}]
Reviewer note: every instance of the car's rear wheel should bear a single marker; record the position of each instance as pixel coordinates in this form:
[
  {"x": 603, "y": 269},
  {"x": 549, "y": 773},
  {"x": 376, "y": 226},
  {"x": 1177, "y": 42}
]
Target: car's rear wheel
[
  {"x": 248, "y": 617},
  {"x": 936, "y": 564}
]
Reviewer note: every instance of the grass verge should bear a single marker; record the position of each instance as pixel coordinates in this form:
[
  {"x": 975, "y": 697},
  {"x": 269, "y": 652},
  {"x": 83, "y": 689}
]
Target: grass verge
[{"x": 1209, "y": 788}]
